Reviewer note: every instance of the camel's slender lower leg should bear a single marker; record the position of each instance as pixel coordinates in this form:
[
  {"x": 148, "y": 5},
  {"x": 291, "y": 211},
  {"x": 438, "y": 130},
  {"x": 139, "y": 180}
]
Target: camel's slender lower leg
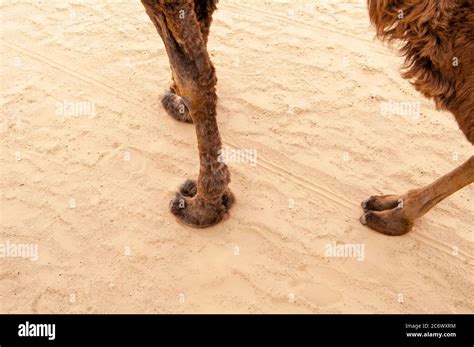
[
  {"x": 173, "y": 101},
  {"x": 394, "y": 215},
  {"x": 205, "y": 202}
]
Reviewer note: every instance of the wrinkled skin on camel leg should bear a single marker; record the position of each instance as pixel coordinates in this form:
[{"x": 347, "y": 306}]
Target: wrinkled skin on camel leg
[
  {"x": 205, "y": 202},
  {"x": 394, "y": 215},
  {"x": 173, "y": 102}
]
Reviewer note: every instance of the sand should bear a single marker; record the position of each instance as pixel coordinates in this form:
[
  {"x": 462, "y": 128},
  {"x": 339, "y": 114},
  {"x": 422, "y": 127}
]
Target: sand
[{"x": 301, "y": 83}]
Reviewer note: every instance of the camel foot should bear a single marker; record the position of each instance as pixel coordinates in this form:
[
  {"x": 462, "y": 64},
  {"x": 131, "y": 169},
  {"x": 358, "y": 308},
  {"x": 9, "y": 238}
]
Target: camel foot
[
  {"x": 381, "y": 203},
  {"x": 193, "y": 210},
  {"x": 385, "y": 214},
  {"x": 176, "y": 107},
  {"x": 188, "y": 188}
]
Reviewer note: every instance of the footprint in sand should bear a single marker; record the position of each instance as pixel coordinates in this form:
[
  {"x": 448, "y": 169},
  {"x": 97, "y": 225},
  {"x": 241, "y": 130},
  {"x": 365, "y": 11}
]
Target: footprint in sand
[
  {"x": 123, "y": 163},
  {"x": 50, "y": 300},
  {"x": 317, "y": 294}
]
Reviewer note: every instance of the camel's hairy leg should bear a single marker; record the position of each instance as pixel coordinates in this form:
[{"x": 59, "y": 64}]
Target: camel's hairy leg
[
  {"x": 212, "y": 198},
  {"x": 195, "y": 80},
  {"x": 172, "y": 101},
  {"x": 204, "y": 10},
  {"x": 398, "y": 220}
]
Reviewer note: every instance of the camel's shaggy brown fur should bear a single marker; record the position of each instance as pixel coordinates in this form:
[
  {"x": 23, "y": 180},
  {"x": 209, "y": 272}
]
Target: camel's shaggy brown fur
[
  {"x": 438, "y": 43},
  {"x": 204, "y": 10},
  {"x": 437, "y": 39},
  {"x": 174, "y": 104}
]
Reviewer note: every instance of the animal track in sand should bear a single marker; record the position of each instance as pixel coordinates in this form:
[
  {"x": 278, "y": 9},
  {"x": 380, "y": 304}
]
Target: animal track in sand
[{"x": 124, "y": 162}]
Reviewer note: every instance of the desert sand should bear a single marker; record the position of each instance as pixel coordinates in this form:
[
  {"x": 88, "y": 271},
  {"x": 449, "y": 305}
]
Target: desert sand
[{"x": 301, "y": 83}]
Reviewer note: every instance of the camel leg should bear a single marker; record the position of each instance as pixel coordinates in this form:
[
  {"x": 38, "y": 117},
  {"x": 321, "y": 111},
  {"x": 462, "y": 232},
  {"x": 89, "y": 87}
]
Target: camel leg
[
  {"x": 173, "y": 102},
  {"x": 394, "y": 215},
  {"x": 204, "y": 10},
  {"x": 205, "y": 202}
]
